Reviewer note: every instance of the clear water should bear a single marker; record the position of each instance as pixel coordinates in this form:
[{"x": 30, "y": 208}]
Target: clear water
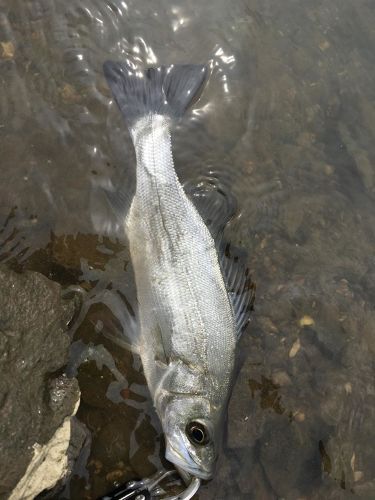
[{"x": 286, "y": 124}]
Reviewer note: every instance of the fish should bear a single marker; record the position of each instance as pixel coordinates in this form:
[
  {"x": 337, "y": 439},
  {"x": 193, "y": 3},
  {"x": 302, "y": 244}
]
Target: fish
[{"x": 193, "y": 296}]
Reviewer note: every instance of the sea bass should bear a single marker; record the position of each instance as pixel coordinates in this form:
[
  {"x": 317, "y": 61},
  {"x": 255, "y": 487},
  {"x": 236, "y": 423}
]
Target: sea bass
[{"x": 193, "y": 302}]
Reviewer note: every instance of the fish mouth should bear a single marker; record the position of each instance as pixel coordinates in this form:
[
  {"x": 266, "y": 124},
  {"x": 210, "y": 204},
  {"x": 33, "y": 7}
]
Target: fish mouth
[{"x": 173, "y": 456}]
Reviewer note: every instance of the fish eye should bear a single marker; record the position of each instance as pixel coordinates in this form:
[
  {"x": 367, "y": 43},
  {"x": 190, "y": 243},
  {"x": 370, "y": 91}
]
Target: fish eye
[{"x": 197, "y": 433}]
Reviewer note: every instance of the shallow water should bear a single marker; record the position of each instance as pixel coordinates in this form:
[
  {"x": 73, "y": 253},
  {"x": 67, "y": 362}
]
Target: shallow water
[{"x": 287, "y": 125}]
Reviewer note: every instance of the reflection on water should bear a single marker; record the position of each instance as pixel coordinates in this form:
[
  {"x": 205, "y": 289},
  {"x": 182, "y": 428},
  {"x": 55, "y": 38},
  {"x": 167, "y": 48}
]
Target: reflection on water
[{"x": 287, "y": 124}]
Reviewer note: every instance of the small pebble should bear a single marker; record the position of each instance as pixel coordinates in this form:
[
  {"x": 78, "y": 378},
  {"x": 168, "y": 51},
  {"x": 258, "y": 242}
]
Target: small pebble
[
  {"x": 114, "y": 475},
  {"x": 281, "y": 378},
  {"x": 295, "y": 348},
  {"x": 96, "y": 465},
  {"x": 358, "y": 475},
  {"x": 329, "y": 169},
  {"x": 324, "y": 45},
  {"x": 8, "y": 50},
  {"x": 348, "y": 388},
  {"x": 344, "y": 289},
  {"x": 306, "y": 321},
  {"x": 99, "y": 326},
  {"x": 69, "y": 93},
  {"x": 299, "y": 416}
]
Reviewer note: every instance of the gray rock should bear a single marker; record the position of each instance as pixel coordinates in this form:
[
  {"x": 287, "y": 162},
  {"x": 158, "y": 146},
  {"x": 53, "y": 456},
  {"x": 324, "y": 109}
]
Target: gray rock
[{"x": 36, "y": 399}]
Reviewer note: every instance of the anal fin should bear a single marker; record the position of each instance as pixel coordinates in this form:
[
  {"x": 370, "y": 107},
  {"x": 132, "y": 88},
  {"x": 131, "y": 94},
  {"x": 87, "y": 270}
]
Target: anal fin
[{"x": 241, "y": 289}]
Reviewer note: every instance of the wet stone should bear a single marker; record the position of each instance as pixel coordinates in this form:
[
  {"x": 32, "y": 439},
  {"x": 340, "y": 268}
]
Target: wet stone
[
  {"x": 291, "y": 462},
  {"x": 34, "y": 399}
]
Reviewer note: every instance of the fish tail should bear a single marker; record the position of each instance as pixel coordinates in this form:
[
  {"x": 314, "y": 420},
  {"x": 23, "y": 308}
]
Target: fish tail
[{"x": 165, "y": 90}]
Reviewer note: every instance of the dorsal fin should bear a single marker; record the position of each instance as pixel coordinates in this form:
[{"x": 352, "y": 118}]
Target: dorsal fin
[{"x": 216, "y": 205}]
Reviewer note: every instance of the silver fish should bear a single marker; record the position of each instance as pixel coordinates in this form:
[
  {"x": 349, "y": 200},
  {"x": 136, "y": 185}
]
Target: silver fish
[{"x": 193, "y": 302}]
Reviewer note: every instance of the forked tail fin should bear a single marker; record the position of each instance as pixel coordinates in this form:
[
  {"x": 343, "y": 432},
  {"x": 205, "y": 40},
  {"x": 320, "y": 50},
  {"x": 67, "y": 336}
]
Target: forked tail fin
[{"x": 166, "y": 90}]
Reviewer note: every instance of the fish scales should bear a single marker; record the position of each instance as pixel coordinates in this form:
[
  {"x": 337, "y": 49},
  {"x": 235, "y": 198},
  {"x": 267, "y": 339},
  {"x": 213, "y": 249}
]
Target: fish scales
[
  {"x": 188, "y": 331},
  {"x": 179, "y": 282}
]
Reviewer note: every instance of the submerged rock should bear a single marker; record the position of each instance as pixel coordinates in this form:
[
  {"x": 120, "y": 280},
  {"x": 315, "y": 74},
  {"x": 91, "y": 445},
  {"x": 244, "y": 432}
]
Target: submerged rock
[{"x": 36, "y": 399}]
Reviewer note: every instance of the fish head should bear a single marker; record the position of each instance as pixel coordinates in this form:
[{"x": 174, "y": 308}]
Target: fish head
[{"x": 191, "y": 428}]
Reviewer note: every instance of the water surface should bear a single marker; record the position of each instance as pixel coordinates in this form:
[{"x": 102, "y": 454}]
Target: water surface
[{"x": 286, "y": 125}]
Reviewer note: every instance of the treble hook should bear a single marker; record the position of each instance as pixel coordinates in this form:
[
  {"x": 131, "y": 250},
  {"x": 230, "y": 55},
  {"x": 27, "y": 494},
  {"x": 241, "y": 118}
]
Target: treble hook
[{"x": 147, "y": 489}]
